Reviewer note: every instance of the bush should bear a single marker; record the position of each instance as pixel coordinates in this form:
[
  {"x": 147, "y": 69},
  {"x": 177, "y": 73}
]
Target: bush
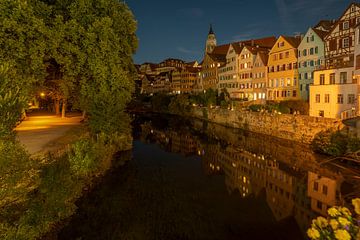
[
  {"x": 334, "y": 143},
  {"x": 19, "y": 173},
  {"x": 256, "y": 107},
  {"x": 180, "y": 105}
]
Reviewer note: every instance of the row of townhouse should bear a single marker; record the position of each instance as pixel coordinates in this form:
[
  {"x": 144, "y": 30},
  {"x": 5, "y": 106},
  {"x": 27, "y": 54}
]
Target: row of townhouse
[
  {"x": 267, "y": 68},
  {"x": 170, "y": 76},
  {"x": 318, "y": 67}
]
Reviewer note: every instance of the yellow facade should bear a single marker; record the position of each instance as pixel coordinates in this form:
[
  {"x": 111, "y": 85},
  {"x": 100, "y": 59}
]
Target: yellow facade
[{"x": 283, "y": 74}]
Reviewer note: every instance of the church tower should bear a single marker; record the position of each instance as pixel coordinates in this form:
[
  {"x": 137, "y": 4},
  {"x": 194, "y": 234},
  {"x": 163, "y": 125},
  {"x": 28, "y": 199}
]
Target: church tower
[{"x": 211, "y": 41}]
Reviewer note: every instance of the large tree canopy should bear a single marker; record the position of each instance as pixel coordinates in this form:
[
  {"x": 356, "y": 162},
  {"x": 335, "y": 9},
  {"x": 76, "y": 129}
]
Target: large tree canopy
[{"x": 80, "y": 49}]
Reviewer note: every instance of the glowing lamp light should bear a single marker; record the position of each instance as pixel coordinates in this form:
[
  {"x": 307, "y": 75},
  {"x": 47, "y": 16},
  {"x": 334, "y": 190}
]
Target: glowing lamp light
[{"x": 42, "y": 94}]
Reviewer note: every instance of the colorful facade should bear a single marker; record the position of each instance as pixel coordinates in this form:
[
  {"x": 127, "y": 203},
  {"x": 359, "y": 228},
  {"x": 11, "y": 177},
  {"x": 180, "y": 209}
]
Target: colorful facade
[
  {"x": 311, "y": 56},
  {"x": 283, "y": 74}
]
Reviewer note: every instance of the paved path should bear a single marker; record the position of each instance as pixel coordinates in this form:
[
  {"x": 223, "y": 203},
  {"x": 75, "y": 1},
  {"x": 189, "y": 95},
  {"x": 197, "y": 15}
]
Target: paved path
[{"x": 38, "y": 130}]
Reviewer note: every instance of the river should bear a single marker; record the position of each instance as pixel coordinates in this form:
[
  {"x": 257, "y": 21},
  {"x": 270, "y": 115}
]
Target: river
[{"x": 195, "y": 180}]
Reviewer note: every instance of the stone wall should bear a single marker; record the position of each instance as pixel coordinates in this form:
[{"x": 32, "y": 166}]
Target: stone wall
[{"x": 298, "y": 128}]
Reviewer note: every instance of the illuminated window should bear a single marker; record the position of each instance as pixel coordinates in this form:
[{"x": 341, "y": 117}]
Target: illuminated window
[
  {"x": 317, "y": 100},
  {"x": 327, "y": 98}
]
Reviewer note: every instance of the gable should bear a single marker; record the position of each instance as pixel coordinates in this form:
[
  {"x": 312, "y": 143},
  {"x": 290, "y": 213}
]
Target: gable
[{"x": 354, "y": 11}]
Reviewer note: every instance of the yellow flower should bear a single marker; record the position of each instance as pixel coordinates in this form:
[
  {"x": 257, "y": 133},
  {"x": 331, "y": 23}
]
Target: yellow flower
[
  {"x": 333, "y": 212},
  {"x": 334, "y": 224},
  {"x": 313, "y": 233},
  {"x": 356, "y": 203},
  {"x": 345, "y": 211},
  {"x": 342, "y": 235},
  {"x": 343, "y": 221},
  {"x": 321, "y": 222}
]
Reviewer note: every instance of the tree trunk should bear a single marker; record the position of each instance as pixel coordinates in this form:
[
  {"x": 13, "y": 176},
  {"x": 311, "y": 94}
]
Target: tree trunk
[
  {"x": 63, "y": 111},
  {"x": 57, "y": 107}
]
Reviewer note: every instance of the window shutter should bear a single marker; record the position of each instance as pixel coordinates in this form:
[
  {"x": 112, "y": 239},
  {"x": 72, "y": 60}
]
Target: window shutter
[
  {"x": 350, "y": 41},
  {"x": 340, "y": 26},
  {"x": 340, "y": 43},
  {"x": 332, "y": 45},
  {"x": 352, "y": 22}
]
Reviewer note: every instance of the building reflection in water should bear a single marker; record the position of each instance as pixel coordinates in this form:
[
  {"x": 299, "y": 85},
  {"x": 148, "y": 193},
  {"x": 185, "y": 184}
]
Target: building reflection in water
[{"x": 285, "y": 173}]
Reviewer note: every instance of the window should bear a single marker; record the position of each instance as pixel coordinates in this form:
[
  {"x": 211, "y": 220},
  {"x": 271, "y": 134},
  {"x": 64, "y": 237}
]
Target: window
[
  {"x": 332, "y": 78},
  {"x": 325, "y": 190},
  {"x": 321, "y": 113},
  {"x": 299, "y": 75},
  {"x": 288, "y": 82},
  {"x": 281, "y": 44},
  {"x": 357, "y": 65},
  {"x": 317, "y": 98},
  {"x": 345, "y": 42},
  {"x": 287, "y": 54},
  {"x": 294, "y": 93},
  {"x": 316, "y": 186},
  {"x": 322, "y": 79},
  {"x": 304, "y": 52},
  {"x": 311, "y": 51},
  {"x": 340, "y": 99},
  {"x": 311, "y": 63},
  {"x": 305, "y": 76},
  {"x": 319, "y": 205},
  {"x": 343, "y": 77},
  {"x": 305, "y": 64},
  {"x": 280, "y": 56},
  {"x": 316, "y": 50},
  {"x": 346, "y": 25},
  {"x": 312, "y": 38},
  {"x": 351, "y": 98},
  {"x": 299, "y": 53},
  {"x": 327, "y": 98}
]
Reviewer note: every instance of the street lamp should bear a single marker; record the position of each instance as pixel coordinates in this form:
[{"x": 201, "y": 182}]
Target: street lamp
[{"x": 42, "y": 94}]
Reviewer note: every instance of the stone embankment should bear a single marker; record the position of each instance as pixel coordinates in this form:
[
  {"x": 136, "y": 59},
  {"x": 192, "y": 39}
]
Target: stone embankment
[{"x": 299, "y": 128}]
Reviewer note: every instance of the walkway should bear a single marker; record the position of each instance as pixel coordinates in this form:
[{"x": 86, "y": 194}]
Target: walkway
[{"x": 39, "y": 129}]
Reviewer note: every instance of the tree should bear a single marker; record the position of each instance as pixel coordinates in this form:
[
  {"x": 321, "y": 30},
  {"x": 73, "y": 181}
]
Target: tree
[{"x": 81, "y": 50}]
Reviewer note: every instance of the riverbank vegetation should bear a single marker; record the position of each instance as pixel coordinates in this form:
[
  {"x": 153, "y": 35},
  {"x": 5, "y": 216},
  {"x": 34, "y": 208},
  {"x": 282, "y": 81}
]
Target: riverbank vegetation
[
  {"x": 80, "y": 54},
  {"x": 335, "y": 143}
]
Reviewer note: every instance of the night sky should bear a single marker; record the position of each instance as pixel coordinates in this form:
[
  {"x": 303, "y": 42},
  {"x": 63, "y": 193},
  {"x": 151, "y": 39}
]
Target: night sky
[{"x": 178, "y": 28}]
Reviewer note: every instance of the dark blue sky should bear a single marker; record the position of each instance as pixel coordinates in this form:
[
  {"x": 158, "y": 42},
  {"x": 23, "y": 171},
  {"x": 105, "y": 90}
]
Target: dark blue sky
[{"x": 178, "y": 28}]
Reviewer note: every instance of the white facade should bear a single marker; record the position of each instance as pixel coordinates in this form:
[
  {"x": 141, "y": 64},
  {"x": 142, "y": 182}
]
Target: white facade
[{"x": 334, "y": 94}]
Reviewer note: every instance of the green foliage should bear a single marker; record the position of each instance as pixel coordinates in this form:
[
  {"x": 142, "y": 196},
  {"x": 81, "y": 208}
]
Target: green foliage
[
  {"x": 334, "y": 143},
  {"x": 18, "y": 174},
  {"x": 255, "y": 107},
  {"x": 160, "y": 102},
  {"x": 12, "y": 101},
  {"x": 180, "y": 105},
  {"x": 82, "y": 48}
]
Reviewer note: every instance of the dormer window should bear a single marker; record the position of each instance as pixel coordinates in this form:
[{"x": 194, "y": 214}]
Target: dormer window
[
  {"x": 281, "y": 44},
  {"x": 346, "y": 25}
]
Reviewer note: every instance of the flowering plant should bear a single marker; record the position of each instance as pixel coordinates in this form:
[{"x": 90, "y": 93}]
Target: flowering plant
[{"x": 340, "y": 224}]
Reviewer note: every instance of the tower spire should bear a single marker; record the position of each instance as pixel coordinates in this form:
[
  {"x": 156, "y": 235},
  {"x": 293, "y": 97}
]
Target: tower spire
[{"x": 211, "y": 31}]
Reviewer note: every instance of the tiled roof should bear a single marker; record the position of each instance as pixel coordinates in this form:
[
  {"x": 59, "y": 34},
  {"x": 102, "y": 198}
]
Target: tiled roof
[
  {"x": 294, "y": 41},
  {"x": 326, "y": 24},
  {"x": 264, "y": 56},
  {"x": 320, "y": 33},
  {"x": 222, "y": 49}
]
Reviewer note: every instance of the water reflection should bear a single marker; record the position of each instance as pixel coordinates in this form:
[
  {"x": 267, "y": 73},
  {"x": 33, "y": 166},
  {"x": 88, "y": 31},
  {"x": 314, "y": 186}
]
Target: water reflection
[{"x": 287, "y": 174}]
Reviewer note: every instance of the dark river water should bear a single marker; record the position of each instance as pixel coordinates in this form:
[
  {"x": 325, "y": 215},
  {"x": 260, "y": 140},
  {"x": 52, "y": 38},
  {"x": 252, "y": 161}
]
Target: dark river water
[{"x": 194, "y": 180}]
